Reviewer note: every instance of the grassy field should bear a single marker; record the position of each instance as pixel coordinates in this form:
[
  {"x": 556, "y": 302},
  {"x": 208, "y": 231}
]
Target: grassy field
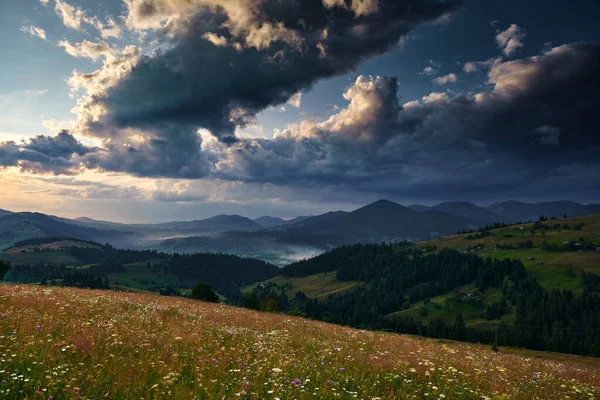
[
  {"x": 449, "y": 305},
  {"x": 59, "y": 343},
  {"x": 590, "y": 230},
  {"x": 556, "y": 270},
  {"x": 314, "y": 286},
  {"x": 139, "y": 276}
]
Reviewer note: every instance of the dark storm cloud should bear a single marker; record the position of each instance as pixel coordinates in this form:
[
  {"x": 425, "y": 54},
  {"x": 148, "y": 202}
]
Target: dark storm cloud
[
  {"x": 534, "y": 129},
  {"x": 560, "y": 88},
  {"x": 288, "y": 47},
  {"x": 172, "y": 150},
  {"x": 44, "y": 154},
  {"x": 63, "y": 145}
]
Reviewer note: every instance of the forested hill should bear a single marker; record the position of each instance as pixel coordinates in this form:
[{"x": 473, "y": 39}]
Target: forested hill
[
  {"x": 73, "y": 262},
  {"x": 447, "y": 293}
]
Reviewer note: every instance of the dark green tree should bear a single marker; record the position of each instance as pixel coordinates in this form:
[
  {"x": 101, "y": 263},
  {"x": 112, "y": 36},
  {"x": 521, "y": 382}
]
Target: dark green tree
[
  {"x": 205, "y": 292},
  {"x": 460, "y": 330},
  {"x": 271, "y": 304},
  {"x": 251, "y": 301},
  {"x": 4, "y": 267}
]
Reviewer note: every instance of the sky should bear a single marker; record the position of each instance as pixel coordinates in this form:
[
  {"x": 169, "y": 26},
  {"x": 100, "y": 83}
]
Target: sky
[{"x": 159, "y": 110}]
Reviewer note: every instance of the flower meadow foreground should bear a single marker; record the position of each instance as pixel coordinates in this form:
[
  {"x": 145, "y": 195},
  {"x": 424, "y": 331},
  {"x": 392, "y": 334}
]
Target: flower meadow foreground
[{"x": 58, "y": 343}]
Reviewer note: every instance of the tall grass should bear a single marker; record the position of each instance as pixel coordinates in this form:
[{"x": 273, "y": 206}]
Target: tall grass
[{"x": 58, "y": 343}]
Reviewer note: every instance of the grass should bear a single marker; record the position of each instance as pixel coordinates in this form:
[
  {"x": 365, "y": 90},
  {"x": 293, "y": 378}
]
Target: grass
[
  {"x": 139, "y": 276},
  {"x": 313, "y": 286},
  {"x": 75, "y": 344},
  {"x": 550, "y": 274},
  {"x": 589, "y": 262},
  {"x": 589, "y": 231},
  {"x": 443, "y": 306},
  {"x": 554, "y": 272}
]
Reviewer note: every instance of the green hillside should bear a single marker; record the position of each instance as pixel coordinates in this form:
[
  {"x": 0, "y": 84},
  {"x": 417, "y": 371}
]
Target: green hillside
[
  {"x": 554, "y": 268},
  {"x": 65, "y": 343},
  {"x": 365, "y": 286},
  {"x": 560, "y": 270},
  {"x": 459, "y": 301},
  {"x": 458, "y": 287},
  {"x": 63, "y": 261},
  {"x": 313, "y": 286}
]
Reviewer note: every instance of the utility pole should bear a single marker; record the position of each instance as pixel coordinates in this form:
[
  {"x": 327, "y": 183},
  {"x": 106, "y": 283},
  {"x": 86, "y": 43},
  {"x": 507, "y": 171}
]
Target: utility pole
[{"x": 496, "y": 330}]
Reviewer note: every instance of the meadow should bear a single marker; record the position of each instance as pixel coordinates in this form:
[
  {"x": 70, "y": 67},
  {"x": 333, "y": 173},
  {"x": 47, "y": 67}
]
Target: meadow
[
  {"x": 313, "y": 286},
  {"x": 63, "y": 343},
  {"x": 556, "y": 268}
]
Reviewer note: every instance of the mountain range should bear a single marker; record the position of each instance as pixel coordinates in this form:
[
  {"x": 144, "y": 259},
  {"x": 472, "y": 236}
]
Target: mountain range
[
  {"x": 270, "y": 222},
  {"x": 281, "y": 241}
]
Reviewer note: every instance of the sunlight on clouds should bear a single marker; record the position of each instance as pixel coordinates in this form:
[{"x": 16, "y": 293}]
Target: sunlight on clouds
[
  {"x": 69, "y": 196},
  {"x": 34, "y": 31}
]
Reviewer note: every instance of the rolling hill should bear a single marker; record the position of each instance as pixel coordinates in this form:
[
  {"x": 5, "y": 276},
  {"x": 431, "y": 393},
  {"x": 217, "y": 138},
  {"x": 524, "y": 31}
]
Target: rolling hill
[
  {"x": 469, "y": 210},
  {"x": 131, "y": 346},
  {"x": 551, "y": 273},
  {"x": 16, "y": 227},
  {"x": 514, "y": 211},
  {"x": 364, "y": 286},
  {"x": 51, "y": 259},
  {"x": 507, "y": 242},
  {"x": 478, "y": 280}
]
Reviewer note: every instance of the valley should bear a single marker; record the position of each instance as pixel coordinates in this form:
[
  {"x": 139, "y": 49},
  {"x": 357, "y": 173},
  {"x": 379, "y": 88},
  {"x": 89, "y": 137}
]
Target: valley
[
  {"x": 281, "y": 241},
  {"x": 482, "y": 279}
]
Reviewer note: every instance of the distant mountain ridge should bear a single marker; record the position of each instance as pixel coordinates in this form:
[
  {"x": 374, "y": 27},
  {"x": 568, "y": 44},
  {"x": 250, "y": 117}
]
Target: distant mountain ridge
[
  {"x": 16, "y": 227},
  {"x": 469, "y": 210},
  {"x": 275, "y": 239},
  {"x": 515, "y": 211},
  {"x": 216, "y": 224},
  {"x": 380, "y": 221},
  {"x": 512, "y": 211},
  {"x": 270, "y": 222}
]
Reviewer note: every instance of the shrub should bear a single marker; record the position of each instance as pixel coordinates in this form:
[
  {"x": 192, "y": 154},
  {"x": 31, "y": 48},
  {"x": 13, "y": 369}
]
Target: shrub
[{"x": 205, "y": 292}]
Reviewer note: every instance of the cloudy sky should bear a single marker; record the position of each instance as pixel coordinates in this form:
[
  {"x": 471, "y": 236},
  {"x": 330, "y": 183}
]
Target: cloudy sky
[{"x": 155, "y": 110}]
